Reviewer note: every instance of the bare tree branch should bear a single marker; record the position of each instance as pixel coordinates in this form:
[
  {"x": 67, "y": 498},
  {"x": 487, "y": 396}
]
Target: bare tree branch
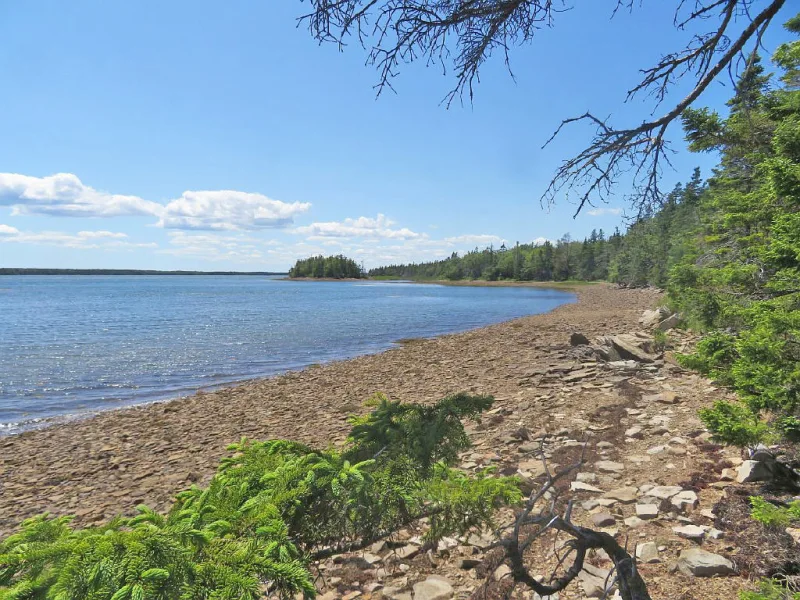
[{"x": 460, "y": 35}]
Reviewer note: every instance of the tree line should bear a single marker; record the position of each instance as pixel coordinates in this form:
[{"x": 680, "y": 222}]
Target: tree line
[{"x": 327, "y": 267}]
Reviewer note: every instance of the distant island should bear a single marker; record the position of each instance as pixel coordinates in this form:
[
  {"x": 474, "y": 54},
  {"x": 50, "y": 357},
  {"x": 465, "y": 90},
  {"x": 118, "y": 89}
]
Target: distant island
[
  {"x": 327, "y": 267},
  {"x": 126, "y": 272}
]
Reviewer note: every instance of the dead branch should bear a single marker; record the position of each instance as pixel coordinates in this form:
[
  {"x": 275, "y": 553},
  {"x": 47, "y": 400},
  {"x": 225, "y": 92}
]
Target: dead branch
[{"x": 461, "y": 35}]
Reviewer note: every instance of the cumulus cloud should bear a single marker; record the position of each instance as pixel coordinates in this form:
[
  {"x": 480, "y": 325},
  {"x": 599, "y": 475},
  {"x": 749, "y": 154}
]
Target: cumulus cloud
[
  {"x": 366, "y": 227},
  {"x": 101, "y": 234},
  {"x": 229, "y": 210},
  {"x": 598, "y": 212},
  {"x": 8, "y": 230},
  {"x": 240, "y": 248},
  {"x": 65, "y": 195}
]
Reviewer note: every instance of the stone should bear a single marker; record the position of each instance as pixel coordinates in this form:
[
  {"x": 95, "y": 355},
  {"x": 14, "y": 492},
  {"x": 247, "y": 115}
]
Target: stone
[
  {"x": 634, "y": 432},
  {"x": 691, "y": 532},
  {"x": 604, "y": 445},
  {"x": 501, "y": 572},
  {"x": 626, "y": 495},
  {"x": 593, "y": 579},
  {"x": 664, "y": 492},
  {"x": 700, "y": 563},
  {"x": 651, "y": 318},
  {"x": 433, "y": 588},
  {"x": 603, "y": 519},
  {"x": 670, "y": 322},
  {"x": 728, "y": 475},
  {"x": 578, "y": 339},
  {"x": 753, "y": 470},
  {"x": 647, "y": 511},
  {"x": 685, "y": 501},
  {"x": 647, "y": 552},
  {"x": 468, "y": 563},
  {"x": 580, "y": 486},
  {"x": 634, "y": 522},
  {"x": 608, "y": 466},
  {"x": 407, "y": 551},
  {"x": 631, "y": 347},
  {"x": 395, "y": 593},
  {"x": 656, "y": 450},
  {"x": 715, "y": 534},
  {"x": 586, "y": 477}
]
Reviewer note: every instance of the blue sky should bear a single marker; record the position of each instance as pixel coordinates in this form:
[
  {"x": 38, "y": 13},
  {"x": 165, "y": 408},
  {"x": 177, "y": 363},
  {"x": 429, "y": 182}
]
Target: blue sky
[{"x": 207, "y": 135}]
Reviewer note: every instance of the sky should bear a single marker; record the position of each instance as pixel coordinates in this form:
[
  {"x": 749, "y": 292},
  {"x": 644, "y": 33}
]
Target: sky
[{"x": 220, "y": 136}]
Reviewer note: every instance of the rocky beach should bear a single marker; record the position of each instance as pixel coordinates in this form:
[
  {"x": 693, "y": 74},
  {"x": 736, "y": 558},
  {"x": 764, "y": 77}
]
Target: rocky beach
[{"x": 652, "y": 476}]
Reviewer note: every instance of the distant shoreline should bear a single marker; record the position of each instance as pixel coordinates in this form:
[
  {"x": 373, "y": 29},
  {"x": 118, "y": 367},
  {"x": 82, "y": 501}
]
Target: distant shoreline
[{"x": 10, "y": 271}]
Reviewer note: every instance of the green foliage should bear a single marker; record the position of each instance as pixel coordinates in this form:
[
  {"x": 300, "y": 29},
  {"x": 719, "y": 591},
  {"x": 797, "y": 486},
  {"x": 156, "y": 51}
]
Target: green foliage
[
  {"x": 330, "y": 267},
  {"x": 774, "y": 516},
  {"x": 740, "y": 281},
  {"x": 770, "y": 590},
  {"x": 270, "y": 509},
  {"x": 586, "y": 260}
]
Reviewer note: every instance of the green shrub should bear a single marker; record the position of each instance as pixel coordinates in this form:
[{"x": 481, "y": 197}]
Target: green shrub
[{"x": 271, "y": 508}]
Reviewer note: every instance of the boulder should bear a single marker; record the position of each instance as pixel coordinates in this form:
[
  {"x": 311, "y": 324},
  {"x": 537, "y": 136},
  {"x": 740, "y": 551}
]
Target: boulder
[
  {"x": 578, "y": 339},
  {"x": 669, "y": 323},
  {"x": 753, "y": 470},
  {"x": 593, "y": 579},
  {"x": 433, "y": 588},
  {"x": 651, "y": 318},
  {"x": 631, "y": 347},
  {"x": 647, "y": 552},
  {"x": 701, "y": 563}
]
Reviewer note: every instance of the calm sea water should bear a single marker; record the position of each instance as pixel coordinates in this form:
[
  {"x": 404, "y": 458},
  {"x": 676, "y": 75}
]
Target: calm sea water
[{"x": 79, "y": 344}]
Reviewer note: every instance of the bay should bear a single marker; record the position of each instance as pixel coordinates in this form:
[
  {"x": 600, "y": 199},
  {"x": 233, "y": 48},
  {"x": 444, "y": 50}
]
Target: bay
[{"x": 72, "y": 345}]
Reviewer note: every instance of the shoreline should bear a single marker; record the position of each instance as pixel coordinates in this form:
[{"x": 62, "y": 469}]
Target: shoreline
[{"x": 147, "y": 452}]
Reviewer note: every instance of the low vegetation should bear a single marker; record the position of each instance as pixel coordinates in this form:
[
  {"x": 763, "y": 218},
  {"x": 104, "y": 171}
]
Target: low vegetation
[{"x": 271, "y": 509}]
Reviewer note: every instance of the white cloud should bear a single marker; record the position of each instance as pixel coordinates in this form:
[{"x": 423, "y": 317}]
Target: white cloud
[
  {"x": 540, "y": 240},
  {"x": 597, "y": 212},
  {"x": 229, "y": 210},
  {"x": 366, "y": 227},
  {"x": 240, "y": 248},
  {"x": 481, "y": 240},
  {"x": 101, "y": 234},
  {"x": 65, "y": 195},
  {"x": 81, "y": 240}
]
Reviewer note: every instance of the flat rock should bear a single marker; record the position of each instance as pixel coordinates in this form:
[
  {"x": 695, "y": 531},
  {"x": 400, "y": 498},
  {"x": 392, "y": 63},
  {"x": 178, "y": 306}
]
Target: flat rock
[
  {"x": 625, "y": 495},
  {"x": 634, "y": 432},
  {"x": 691, "y": 532},
  {"x": 647, "y": 511},
  {"x": 580, "y": 486},
  {"x": 685, "y": 501},
  {"x": 433, "y": 588},
  {"x": 664, "y": 492},
  {"x": 603, "y": 519},
  {"x": 608, "y": 466},
  {"x": 700, "y": 563},
  {"x": 630, "y": 347}
]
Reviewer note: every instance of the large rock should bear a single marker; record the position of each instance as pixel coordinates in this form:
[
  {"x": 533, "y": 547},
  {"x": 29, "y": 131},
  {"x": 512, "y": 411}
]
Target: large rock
[
  {"x": 651, "y": 318},
  {"x": 701, "y": 563},
  {"x": 685, "y": 501},
  {"x": 647, "y": 552},
  {"x": 669, "y": 323},
  {"x": 691, "y": 532},
  {"x": 433, "y": 588},
  {"x": 578, "y": 339},
  {"x": 631, "y": 347},
  {"x": 593, "y": 580},
  {"x": 753, "y": 470}
]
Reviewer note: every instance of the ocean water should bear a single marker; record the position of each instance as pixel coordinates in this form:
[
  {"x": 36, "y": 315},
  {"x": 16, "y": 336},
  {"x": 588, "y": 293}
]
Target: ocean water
[{"x": 71, "y": 345}]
